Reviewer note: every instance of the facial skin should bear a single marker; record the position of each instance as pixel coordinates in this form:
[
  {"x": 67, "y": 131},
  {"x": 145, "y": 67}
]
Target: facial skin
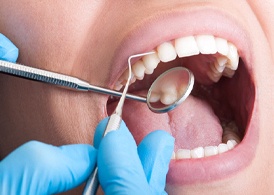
[{"x": 83, "y": 39}]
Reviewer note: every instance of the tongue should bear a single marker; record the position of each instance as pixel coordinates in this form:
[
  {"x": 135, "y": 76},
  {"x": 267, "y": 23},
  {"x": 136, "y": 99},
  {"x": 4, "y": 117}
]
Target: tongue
[{"x": 193, "y": 124}]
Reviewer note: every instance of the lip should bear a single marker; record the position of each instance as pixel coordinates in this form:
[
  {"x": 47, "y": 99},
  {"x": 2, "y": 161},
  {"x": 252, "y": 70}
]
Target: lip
[{"x": 178, "y": 23}]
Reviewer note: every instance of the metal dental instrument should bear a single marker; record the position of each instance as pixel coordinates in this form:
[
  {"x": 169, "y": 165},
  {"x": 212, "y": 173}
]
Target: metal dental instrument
[
  {"x": 180, "y": 77},
  {"x": 113, "y": 124}
]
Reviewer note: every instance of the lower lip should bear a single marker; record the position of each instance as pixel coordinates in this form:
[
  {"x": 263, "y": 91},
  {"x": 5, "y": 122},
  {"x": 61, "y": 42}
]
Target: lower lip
[{"x": 191, "y": 171}]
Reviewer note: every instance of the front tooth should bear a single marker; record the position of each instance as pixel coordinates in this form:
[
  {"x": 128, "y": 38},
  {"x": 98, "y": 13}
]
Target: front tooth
[
  {"x": 138, "y": 69},
  {"x": 206, "y": 44},
  {"x": 197, "y": 152},
  {"x": 211, "y": 150},
  {"x": 166, "y": 52},
  {"x": 222, "y": 46},
  {"x": 186, "y": 46},
  {"x": 222, "y": 148},
  {"x": 151, "y": 61},
  {"x": 233, "y": 56},
  {"x": 183, "y": 154}
]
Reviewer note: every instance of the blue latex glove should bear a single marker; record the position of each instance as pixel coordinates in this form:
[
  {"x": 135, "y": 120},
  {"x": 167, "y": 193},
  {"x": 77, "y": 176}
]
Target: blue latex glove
[
  {"x": 125, "y": 169},
  {"x": 8, "y": 51},
  {"x": 38, "y": 168}
]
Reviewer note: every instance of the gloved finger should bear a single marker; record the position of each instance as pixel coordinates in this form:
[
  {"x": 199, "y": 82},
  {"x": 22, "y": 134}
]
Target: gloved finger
[
  {"x": 38, "y": 168},
  {"x": 120, "y": 169},
  {"x": 155, "y": 152},
  {"x": 8, "y": 51}
]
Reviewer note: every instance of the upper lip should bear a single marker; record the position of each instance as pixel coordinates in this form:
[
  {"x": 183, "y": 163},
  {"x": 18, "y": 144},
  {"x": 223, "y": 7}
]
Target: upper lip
[{"x": 166, "y": 26}]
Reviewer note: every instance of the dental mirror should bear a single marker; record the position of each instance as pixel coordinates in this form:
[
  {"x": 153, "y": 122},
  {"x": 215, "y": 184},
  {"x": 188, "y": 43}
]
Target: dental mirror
[{"x": 170, "y": 89}]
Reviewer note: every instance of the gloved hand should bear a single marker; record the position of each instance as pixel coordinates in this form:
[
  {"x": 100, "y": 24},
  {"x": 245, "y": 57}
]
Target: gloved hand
[
  {"x": 8, "y": 51},
  {"x": 38, "y": 168},
  {"x": 125, "y": 169}
]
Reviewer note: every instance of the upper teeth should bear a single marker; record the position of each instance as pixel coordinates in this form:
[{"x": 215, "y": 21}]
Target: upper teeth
[{"x": 226, "y": 62}]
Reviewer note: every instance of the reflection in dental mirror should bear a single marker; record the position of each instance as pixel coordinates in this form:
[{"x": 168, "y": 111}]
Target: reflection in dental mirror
[{"x": 170, "y": 89}]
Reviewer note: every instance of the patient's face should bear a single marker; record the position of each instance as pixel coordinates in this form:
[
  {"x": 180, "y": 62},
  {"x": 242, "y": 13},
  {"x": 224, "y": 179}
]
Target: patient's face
[{"x": 231, "y": 102}]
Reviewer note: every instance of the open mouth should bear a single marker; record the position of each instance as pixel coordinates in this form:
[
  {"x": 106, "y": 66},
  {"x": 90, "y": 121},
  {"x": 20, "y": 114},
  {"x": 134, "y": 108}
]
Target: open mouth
[{"x": 212, "y": 128}]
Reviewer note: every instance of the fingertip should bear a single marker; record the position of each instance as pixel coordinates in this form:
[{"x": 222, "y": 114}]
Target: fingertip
[
  {"x": 8, "y": 51},
  {"x": 159, "y": 137},
  {"x": 155, "y": 153}
]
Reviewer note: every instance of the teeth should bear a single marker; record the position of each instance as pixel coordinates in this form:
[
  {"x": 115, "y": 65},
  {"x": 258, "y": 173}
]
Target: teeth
[
  {"x": 173, "y": 156},
  {"x": 228, "y": 72},
  {"x": 206, "y": 44},
  {"x": 197, "y": 152},
  {"x": 222, "y": 46},
  {"x": 225, "y": 54},
  {"x": 169, "y": 95},
  {"x": 220, "y": 65},
  {"x": 138, "y": 69},
  {"x": 186, "y": 46},
  {"x": 222, "y": 148},
  {"x": 231, "y": 144},
  {"x": 183, "y": 154},
  {"x": 150, "y": 62},
  {"x": 166, "y": 52},
  {"x": 207, "y": 151},
  {"x": 154, "y": 97},
  {"x": 231, "y": 132},
  {"x": 233, "y": 57},
  {"x": 211, "y": 150},
  {"x": 214, "y": 74}
]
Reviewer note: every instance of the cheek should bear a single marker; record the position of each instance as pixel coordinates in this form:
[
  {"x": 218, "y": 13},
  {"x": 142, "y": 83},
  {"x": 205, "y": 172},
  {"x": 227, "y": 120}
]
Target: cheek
[
  {"x": 265, "y": 15},
  {"x": 35, "y": 111}
]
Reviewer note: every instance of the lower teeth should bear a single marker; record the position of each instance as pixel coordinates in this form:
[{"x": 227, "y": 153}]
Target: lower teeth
[
  {"x": 202, "y": 152},
  {"x": 230, "y": 139}
]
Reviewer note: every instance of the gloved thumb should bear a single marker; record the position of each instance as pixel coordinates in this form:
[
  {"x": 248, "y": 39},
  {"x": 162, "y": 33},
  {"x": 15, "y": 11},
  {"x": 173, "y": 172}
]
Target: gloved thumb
[
  {"x": 155, "y": 153},
  {"x": 38, "y": 168},
  {"x": 8, "y": 51}
]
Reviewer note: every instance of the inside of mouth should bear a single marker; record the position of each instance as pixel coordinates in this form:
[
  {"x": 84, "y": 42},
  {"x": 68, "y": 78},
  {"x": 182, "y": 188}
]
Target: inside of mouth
[{"x": 214, "y": 113}]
